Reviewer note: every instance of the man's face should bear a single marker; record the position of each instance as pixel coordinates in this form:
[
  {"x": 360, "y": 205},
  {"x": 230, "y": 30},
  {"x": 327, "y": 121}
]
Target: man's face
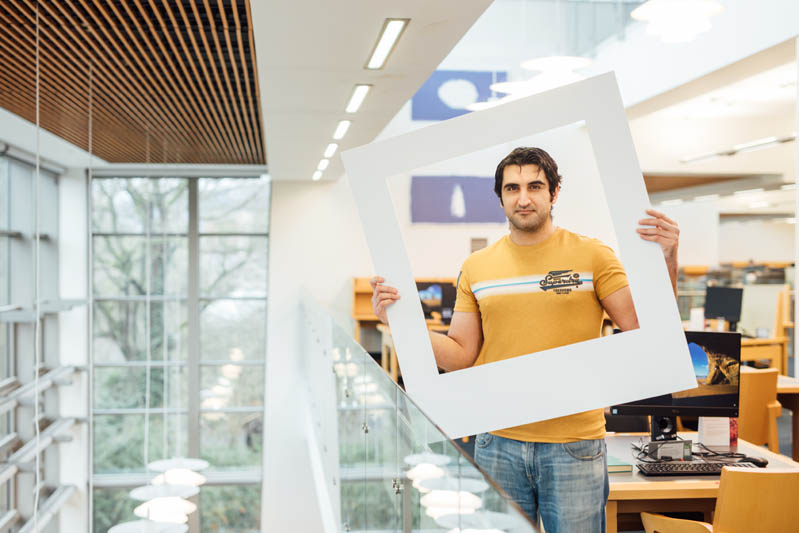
[{"x": 525, "y": 197}]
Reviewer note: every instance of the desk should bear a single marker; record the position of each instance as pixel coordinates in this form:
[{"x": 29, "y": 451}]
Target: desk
[
  {"x": 788, "y": 396},
  {"x": 774, "y": 349},
  {"x": 630, "y": 492}
]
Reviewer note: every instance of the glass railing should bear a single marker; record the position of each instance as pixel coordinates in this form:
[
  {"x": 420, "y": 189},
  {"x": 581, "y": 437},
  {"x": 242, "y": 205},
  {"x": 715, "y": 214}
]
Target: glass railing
[{"x": 393, "y": 470}]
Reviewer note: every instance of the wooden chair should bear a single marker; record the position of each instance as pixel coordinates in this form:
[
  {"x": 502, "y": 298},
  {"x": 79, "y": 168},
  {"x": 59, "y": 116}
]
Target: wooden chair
[
  {"x": 759, "y": 408},
  {"x": 749, "y": 500}
]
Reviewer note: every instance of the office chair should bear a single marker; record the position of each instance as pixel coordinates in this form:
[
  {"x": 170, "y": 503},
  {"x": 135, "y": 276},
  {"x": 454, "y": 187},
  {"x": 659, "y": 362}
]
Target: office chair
[
  {"x": 759, "y": 408},
  {"x": 762, "y": 500}
]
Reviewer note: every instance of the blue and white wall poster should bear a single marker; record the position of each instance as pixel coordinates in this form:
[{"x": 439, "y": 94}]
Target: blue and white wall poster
[
  {"x": 454, "y": 200},
  {"x": 446, "y": 93}
]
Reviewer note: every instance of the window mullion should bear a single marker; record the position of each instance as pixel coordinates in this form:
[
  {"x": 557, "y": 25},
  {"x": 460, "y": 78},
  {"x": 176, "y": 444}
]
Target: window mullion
[{"x": 194, "y": 324}]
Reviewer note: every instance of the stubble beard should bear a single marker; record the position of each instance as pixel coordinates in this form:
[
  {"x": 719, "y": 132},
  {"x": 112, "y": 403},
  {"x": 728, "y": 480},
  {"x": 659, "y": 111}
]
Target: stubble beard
[{"x": 531, "y": 225}]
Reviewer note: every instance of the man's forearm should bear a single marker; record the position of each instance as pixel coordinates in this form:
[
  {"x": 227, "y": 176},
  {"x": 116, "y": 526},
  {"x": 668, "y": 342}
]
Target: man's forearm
[
  {"x": 449, "y": 354},
  {"x": 673, "y": 273}
]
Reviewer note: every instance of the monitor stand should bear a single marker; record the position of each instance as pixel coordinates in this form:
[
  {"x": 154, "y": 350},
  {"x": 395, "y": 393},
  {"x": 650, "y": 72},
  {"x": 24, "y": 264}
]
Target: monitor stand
[{"x": 663, "y": 428}]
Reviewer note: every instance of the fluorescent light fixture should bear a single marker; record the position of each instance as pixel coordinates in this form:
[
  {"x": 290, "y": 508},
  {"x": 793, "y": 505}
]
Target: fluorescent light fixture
[
  {"x": 323, "y": 164},
  {"x": 317, "y": 175},
  {"x": 758, "y": 205},
  {"x": 330, "y": 150},
  {"x": 750, "y": 146},
  {"x": 358, "y": 94},
  {"x": 754, "y": 145},
  {"x": 341, "y": 130},
  {"x": 749, "y": 191},
  {"x": 706, "y": 198},
  {"x": 676, "y": 201},
  {"x": 392, "y": 29}
]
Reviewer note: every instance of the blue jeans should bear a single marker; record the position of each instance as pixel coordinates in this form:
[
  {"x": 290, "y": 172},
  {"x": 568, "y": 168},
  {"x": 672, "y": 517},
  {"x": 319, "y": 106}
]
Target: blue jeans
[{"x": 566, "y": 484}]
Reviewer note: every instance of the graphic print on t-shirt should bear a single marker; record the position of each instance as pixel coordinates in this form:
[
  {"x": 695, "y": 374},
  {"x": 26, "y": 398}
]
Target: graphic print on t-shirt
[{"x": 562, "y": 281}]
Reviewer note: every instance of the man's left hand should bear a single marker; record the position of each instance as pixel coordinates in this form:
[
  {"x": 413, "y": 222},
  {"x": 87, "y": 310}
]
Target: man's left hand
[{"x": 661, "y": 229}]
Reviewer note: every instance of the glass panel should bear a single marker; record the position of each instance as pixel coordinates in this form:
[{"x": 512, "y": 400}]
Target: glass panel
[
  {"x": 382, "y": 488},
  {"x": 119, "y": 441},
  {"x": 230, "y": 509},
  {"x": 120, "y": 205},
  {"x": 230, "y": 205},
  {"x": 119, "y": 330},
  {"x": 233, "y": 266},
  {"x": 233, "y": 330},
  {"x": 170, "y": 205},
  {"x": 231, "y": 439},
  {"x": 124, "y": 387},
  {"x": 120, "y": 266},
  {"x": 112, "y": 507},
  {"x": 231, "y": 386}
]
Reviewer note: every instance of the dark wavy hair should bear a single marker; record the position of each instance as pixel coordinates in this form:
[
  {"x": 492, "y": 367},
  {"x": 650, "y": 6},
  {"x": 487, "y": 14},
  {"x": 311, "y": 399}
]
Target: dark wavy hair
[{"x": 529, "y": 156}]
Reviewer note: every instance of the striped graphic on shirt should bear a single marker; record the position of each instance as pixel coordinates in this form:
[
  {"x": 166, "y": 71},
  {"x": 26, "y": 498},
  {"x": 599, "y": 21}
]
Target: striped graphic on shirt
[{"x": 555, "y": 282}]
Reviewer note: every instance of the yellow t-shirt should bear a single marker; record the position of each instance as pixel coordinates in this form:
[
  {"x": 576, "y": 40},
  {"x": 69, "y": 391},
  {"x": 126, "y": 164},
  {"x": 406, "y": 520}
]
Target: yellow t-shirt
[{"x": 533, "y": 298}]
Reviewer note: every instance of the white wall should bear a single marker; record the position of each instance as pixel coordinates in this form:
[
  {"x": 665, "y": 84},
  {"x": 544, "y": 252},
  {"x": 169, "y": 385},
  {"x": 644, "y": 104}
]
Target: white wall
[
  {"x": 756, "y": 240},
  {"x": 699, "y": 232}
]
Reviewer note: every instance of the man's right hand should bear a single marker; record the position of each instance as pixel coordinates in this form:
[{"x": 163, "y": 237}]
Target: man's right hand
[{"x": 382, "y": 297}]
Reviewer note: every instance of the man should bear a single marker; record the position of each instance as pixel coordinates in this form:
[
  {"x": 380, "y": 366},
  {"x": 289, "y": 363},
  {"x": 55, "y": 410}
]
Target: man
[{"x": 537, "y": 288}]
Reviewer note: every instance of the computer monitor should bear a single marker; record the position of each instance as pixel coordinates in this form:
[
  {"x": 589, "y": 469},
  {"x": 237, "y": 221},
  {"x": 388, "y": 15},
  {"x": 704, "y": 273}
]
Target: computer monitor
[
  {"x": 448, "y": 296},
  {"x": 430, "y": 295},
  {"x": 716, "y": 357},
  {"x": 724, "y": 302},
  {"x": 438, "y": 297}
]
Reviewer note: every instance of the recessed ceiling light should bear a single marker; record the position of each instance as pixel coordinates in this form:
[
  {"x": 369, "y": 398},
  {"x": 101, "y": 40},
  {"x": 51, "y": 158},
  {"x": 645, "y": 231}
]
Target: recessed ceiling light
[
  {"x": 358, "y": 94},
  {"x": 331, "y": 149},
  {"x": 341, "y": 129},
  {"x": 323, "y": 164},
  {"x": 317, "y": 175},
  {"x": 392, "y": 29}
]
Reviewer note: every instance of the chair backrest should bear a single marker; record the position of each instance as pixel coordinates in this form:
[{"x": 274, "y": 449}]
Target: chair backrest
[
  {"x": 757, "y": 500},
  {"x": 758, "y": 390},
  {"x": 656, "y": 523}
]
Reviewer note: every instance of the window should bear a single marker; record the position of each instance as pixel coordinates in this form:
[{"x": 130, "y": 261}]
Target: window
[
  {"x": 18, "y": 325},
  {"x": 179, "y": 313}
]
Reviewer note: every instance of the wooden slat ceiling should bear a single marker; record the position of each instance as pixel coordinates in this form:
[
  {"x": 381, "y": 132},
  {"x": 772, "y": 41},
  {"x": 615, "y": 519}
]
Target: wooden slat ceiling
[{"x": 172, "y": 81}]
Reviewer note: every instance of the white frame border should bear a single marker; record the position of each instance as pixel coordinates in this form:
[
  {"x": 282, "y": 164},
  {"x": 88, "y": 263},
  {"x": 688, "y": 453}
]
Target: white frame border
[{"x": 646, "y": 362}]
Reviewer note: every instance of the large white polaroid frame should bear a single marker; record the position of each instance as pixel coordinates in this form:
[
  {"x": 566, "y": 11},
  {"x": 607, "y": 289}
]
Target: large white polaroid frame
[{"x": 646, "y": 362}]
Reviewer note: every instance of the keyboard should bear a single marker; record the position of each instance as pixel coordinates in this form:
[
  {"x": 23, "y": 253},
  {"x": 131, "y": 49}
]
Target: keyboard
[{"x": 688, "y": 468}]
